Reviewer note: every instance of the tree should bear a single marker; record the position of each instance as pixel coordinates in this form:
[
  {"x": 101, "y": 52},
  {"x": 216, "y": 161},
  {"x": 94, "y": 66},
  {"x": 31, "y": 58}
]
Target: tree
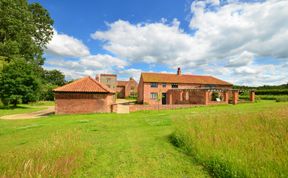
[
  {"x": 20, "y": 82},
  {"x": 54, "y": 77},
  {"x": 25, "y": 29}
]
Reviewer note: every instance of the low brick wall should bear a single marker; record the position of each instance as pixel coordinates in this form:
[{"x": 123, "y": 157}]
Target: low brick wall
[{"x": 139, "y": 107}]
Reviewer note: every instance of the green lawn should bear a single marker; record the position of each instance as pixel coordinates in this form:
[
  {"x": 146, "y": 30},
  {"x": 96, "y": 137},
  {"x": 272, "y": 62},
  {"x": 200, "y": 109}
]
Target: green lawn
[
  {"x": 110, "y": 145},
  {"x": 25, "y": 108}
]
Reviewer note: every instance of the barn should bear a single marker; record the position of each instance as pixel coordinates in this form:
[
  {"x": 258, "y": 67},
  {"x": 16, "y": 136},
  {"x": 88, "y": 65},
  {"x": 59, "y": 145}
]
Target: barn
[{"x": 85, "y": 95}]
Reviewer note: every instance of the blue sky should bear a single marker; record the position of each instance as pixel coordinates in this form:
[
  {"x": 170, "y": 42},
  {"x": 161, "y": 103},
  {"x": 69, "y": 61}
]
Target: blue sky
[{"x": 242, "y": 42}]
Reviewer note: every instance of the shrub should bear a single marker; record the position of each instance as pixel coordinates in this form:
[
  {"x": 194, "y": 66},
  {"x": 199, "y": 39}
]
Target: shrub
[{"x": 282, "y": 99}]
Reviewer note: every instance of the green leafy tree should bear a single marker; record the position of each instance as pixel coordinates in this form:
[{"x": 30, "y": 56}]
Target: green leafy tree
[
  {"x": 54, "y": 77},
  {"x": 20, "y": 82},
  {"x": 25, "y": 29}
]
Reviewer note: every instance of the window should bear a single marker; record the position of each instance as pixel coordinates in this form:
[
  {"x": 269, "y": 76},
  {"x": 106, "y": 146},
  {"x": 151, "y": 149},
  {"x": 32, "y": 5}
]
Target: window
[
  {"x": 132, "y": 88},
  {"x": 174, "y": 85},
  {"x": 154, "y": 85},
  {"x": 153, "y": 96},
  {"x": 108, "y": 80},
  {"x": 164, "y": 85}
]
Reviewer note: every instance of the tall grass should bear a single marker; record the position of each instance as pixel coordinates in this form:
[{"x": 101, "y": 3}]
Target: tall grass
[
  {"x": 237, "y": 143},
  {"x": 53, "y": 157}
]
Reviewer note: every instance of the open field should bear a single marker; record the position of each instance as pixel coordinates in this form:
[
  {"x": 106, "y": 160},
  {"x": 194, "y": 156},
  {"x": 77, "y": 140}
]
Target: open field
[
  {"x": 24, "y": 108},
  {"x": 247, "y": 141},
  {"x": 250, "y": 140}
]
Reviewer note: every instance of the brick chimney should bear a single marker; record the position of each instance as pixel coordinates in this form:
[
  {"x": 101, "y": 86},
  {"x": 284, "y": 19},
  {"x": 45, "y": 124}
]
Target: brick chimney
[
  {"x": 179, "y": 71},
  {"x": 97, "y": 77}
]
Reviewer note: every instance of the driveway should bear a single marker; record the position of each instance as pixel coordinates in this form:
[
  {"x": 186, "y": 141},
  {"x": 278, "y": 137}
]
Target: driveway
[
  {"x": 123, "y": 105},
  {"x": 32, "y": 115}
]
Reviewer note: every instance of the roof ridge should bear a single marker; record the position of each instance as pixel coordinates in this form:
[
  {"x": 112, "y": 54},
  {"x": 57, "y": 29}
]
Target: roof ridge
[
  {"x": 175, "y": 74},
  {"x": 100, "y": 84},
  {"x": 71, "y": 83}
]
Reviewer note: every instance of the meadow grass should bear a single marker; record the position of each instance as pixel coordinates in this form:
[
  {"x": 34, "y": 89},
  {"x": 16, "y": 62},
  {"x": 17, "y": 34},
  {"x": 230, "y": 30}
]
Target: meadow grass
[
  {"x": 244, "y": 141},
  {"x": 142, "y": 144},
  {"x": 24, "y": 108},
  {"x": 93, "y": 145}
]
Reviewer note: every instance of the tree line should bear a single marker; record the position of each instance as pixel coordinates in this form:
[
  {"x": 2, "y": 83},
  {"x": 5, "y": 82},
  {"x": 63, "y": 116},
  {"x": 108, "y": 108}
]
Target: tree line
[{"x": 25, "y": 30}]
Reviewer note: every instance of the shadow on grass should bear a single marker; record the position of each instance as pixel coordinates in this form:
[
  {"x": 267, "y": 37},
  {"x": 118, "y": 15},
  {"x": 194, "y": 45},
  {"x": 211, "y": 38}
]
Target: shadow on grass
[{"x": 14, "y": 107}]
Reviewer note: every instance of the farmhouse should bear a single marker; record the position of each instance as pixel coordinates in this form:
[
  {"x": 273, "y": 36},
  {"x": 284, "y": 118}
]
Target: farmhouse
[
  {"x": 85, "y": 95},
  {"x": 164, "y": 88},
  {"x": 126, "y": 88}
]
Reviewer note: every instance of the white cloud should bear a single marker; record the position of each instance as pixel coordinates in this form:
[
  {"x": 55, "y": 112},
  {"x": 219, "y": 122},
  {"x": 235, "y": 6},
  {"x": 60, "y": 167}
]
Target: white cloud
[
  {"x": 127, "y": 73},
  {"x": 229, "y": 35},
  {"x": 245, "y": 58},
  {"x": 236, "y": 27},
  {"x": 90, "y": 65},
  {"x": 102, "y": 61},
  {"x": 151, "y": 43},
  {"x": 65, "y": 45}
]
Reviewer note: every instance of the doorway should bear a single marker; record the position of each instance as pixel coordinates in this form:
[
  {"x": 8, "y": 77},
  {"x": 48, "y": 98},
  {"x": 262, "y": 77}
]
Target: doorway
[{"x": 163, "y": 98}]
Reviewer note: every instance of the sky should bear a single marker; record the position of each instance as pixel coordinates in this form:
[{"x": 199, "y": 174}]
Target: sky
[{"x": 242, "y": 42}]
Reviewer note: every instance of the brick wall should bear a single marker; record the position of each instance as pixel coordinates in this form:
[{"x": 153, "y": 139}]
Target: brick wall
[
  {"x": 187, "y": 96},
  {"x": 144, "y": 91},
  {"x": 141, "y": 107},
  {"x": 72, "y": 103}
]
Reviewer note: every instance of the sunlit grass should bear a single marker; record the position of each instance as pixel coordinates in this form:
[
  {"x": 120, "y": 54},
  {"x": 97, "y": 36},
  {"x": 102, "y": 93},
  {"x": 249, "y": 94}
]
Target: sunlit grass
[
  {"x": 24, "y": 108},
  {"x": 245, "y": 140},
  {"x": 237, "y": 142}
]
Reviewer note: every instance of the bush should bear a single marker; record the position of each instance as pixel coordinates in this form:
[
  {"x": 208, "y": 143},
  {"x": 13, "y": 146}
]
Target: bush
[
  {"x": 272, "y": 92},
  {"x": 282, "y": 99}
]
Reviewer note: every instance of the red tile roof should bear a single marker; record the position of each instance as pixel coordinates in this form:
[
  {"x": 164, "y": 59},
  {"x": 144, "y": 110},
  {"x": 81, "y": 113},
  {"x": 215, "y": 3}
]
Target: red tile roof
[
  {"x": 122, "y": 83},
  {"x": 108, "y": 75},
  {"x": 185, "y": 78},
  {"x": 86, "y": 85}
]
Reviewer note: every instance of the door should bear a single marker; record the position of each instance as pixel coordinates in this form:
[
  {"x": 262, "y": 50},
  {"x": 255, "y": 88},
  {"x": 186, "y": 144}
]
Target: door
[{"x": 163, "y": 98}]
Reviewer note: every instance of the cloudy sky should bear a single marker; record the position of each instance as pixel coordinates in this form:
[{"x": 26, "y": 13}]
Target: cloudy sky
[{"x": 243, "y": 42}]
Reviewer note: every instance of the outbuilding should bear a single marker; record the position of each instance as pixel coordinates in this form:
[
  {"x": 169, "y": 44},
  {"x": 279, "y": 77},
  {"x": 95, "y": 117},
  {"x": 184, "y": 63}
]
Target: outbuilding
[{"x": 85, "y": 95}]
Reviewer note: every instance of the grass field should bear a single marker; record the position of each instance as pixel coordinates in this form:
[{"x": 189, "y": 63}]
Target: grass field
[
  {"x": 246, "y": 141},
  {"x": 176, "y": 143},
  {"x": 24, "y": 108}
]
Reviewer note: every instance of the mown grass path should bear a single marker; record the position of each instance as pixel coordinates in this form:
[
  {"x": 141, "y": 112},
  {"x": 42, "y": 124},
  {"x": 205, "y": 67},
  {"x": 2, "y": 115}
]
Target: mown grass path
[
  {"x": 103, "y": 145},
  {"x": 122, "y": 145}
]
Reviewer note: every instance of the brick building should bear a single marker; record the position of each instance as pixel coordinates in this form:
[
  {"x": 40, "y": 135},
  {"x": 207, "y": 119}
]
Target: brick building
[
  {"x": 85, "y": 95},
  {"x": 164, "y": 88},
  {"x": 126, "y": 88},
  {"x": 110, "y": 80}
]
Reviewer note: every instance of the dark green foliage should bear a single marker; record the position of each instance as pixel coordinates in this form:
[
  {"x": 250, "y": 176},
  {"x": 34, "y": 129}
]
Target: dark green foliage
[
  {"x": 47, "y": 92},
  {"x": 20, "y": 81},
  {"x": 25, "y": 29},
  {"x": 272, "y": 92},
  {"x": 54, "y": 77},
  {"x": 282, "y": 99},
  {"x": 51, "y": 80}
]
